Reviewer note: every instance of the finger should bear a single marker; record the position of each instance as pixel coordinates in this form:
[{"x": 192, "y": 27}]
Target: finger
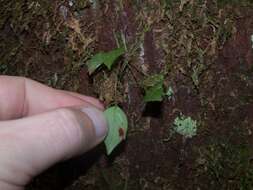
[
  {"x": 24, "y": 97},
  {"x": 30, "y": 145},
  {"x": 88, "y": 99}
]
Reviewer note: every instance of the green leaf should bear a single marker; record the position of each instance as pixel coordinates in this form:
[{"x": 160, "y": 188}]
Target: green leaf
[
  {"x": 153, "y": 86},
  {"x": 112, "y": 56},
  {"x": 106, "y": 58},
  {"x": 95, "y": 62},
  {"x": 118, "y": 125},
  {"x": 154, "y": 94}
]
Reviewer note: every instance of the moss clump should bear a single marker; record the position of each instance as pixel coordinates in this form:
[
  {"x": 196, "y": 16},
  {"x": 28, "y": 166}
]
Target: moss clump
[
  {"x": 227, "y": 165},
  {"x": 22, "y": 15}
]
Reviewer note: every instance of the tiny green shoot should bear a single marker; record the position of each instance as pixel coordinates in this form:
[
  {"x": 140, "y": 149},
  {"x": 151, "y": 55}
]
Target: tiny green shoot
[
  {"x": 104, "y": 58},
  {"x": 118, "y": 125},
  {"x": 169, "y": 93}
]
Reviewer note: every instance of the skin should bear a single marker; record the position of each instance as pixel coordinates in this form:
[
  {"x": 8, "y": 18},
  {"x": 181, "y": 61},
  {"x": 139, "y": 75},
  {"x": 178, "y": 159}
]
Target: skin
[{"x": 40, "y": 126}]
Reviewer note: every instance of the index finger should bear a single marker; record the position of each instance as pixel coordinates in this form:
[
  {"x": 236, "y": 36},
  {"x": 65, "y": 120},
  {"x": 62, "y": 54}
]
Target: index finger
[{"x": 21, "y": 97}]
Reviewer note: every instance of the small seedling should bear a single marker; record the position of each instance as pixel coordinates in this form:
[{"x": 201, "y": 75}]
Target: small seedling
[
  {"x": 169, "y": 93},
  {"x": 118, "y": 125},
  {"x": 104, "y": 58},
  {"x": 185, "y": 126}
]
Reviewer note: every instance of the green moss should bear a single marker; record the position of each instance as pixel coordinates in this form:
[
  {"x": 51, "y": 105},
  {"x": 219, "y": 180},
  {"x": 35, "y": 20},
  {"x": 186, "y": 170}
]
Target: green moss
[
  {"x": 227, "y": 165},
  {"x": 24, "y": 14},
  {"x": 16, "y": 18},
  {"x": 234, "y": 2}
]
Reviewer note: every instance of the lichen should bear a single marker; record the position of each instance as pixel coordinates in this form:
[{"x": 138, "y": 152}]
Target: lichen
[{"x": 185, "y": 126}]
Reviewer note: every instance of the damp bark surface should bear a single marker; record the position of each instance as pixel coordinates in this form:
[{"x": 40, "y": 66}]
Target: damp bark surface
[{"x": 159, "y": 39}]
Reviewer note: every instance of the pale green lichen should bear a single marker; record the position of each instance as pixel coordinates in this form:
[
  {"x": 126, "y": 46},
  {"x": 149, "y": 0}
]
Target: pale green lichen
[{"x": 185, "y": 126}]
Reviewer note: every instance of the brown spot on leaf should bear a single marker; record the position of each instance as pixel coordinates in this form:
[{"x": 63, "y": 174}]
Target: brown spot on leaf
[{"x": 121, "y": 133}]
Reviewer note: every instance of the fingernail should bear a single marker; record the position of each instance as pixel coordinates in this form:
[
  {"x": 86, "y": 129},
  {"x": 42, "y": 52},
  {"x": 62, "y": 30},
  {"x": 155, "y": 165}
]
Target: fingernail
[{"x": 98, "y": 119}]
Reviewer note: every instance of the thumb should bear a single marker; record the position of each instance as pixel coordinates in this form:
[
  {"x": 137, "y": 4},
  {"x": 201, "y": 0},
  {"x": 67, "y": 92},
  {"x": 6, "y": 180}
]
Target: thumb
[{"x": 30, "y": 145}]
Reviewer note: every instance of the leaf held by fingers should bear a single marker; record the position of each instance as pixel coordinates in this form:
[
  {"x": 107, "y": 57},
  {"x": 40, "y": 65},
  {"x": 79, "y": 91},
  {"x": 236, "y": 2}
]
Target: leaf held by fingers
[{"x": 118, "y": 125}]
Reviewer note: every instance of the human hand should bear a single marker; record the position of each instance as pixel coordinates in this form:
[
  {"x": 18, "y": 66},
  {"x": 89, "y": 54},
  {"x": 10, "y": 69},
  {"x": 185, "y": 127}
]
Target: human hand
[{"x": 40, "y": 126}]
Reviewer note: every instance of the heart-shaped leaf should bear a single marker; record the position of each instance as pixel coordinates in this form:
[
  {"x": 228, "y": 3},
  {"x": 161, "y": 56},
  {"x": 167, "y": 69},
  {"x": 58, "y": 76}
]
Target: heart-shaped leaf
[
  {"x": 112, "y": 56},
  {"x": 106, "y": 58},
  {"x": 154, "y": 93},
  {"x": 118, "y": 124},
  {"x": 95, "y": 62},
  {"x": 153, "y": 86}
]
